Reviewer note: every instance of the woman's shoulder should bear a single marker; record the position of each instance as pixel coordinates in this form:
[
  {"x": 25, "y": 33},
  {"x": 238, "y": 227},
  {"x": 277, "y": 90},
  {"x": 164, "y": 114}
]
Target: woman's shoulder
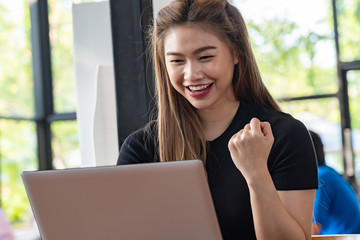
[
  {"x": 139, "y": 146},
  {"x": 144, "y": 134},
  {"x": 281, "y": 122},
  {"x": 292, "y": 161},
  {"x": 148, "y": 131}
]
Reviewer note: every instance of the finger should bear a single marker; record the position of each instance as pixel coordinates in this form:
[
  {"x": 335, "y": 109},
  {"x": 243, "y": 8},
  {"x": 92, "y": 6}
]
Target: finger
[
  {"x": 247, "y": 127},
  {"x": 231, "y": 145},
  {"x": 266, "y": 129},
  {"x": 232, "y": 142},
  {"x": 236, "y": 135},
  {"x": 255, "y": 125},
  {"x": 233, "y": 137}
]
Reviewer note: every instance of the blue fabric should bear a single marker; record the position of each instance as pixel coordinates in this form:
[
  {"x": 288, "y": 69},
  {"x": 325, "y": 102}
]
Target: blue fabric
[{"x": 336, "y": 207}]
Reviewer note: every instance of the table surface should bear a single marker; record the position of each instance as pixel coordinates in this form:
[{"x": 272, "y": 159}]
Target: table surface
[{"x": 337, "y": 237}]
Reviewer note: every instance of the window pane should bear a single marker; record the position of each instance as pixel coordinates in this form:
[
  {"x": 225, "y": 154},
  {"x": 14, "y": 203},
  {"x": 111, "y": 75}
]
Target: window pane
[
  {"x": 321, "y": 116},
  {"x": 18, "y": 152},
  {"x": 65, "y": 145},
  {"x": 349, "y": 29},
  {"x": 16, "y": 86},
  {"x": 61, "y": 40},
  {"x": 293, "y": 44},
  {"x": 354, "y": 102}
]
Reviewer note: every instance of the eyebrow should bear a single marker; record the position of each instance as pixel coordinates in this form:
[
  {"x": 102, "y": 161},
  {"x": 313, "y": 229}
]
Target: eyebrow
[{"x": 199, "y": 50}]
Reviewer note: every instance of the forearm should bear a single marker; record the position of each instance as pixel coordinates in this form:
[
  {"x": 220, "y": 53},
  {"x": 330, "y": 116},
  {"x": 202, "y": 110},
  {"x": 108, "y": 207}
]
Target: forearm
[
  {"x": 271, "y": 218},
  {"x": 276, "y": 214}
]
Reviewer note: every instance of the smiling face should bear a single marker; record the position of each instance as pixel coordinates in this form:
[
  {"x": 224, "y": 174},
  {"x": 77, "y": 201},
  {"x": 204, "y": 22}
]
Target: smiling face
[{"x": 200, "y": 66}]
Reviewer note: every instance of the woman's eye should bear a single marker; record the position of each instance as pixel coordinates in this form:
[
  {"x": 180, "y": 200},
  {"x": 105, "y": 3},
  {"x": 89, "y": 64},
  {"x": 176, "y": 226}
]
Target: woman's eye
[
  {"x": 176, "y": 61},
  {"x": 206, "y": 57}
]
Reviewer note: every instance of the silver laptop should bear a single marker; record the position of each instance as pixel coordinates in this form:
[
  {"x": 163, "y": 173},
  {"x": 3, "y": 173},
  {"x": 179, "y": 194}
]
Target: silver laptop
[{"x": 132, "y": 202}]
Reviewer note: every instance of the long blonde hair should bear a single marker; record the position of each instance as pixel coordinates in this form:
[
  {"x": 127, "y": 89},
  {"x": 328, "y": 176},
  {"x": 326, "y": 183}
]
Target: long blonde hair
[{"x": 180, "y": 134}]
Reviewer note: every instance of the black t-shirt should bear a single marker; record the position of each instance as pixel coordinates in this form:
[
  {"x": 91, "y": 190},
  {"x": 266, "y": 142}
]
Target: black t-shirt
[{"x": 291, "y": 163}]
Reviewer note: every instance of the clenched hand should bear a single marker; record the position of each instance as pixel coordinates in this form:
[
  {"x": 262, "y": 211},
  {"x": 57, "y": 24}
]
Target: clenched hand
[{"x": 250, "y": 149}]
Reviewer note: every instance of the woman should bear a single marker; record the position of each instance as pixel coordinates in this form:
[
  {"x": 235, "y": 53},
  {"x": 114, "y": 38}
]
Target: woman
[{"x": 212, "y": 105}]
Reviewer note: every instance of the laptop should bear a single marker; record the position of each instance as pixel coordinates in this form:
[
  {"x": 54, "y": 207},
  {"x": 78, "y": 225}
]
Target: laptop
[{"x": 168, "y": 200}]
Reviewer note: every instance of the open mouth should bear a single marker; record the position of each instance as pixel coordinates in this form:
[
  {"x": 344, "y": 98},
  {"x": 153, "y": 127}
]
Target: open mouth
[{"x": 199, "y": 88}]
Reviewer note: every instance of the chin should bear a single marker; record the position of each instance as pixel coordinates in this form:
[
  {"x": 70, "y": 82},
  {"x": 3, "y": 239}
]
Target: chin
[{"x": 200, "y": 106}]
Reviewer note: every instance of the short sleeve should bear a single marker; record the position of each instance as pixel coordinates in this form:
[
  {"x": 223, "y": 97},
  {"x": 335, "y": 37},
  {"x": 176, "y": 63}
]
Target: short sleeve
[
  {"x": 138, "y": 147},
  {"x": 292, "y": 161}
]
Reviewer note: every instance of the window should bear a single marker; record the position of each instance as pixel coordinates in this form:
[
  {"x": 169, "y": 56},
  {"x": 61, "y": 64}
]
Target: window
[
  {"x": 297, "y": 57},
  {"x": 38, "y": 127},
  {"x": 18, "y": 143},
  {"x": 349, "y": 23},
  {"x": 17, "y": 153},
  {"x": 65, "y": 145},
  {"x": 16, "y": 91},
  {"x": 61, "y": 41},
  {"x": 353, "y": 78},
  {"x": 323, "y": 116}
]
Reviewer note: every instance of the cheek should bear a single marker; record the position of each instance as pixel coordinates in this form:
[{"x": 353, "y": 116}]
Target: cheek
[
  {"x": 175, "y": 77},
  {"x": 215, "y": 71},
  {"x": 172, "y": 82},
  {"x": 224, "y": 69},
  {"x": 176, "y": 85}
]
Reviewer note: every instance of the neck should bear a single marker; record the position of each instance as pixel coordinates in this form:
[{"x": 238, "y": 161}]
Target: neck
[{"x": 216, "y": 121}]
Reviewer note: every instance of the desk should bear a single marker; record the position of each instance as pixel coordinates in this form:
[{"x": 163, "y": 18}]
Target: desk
[{"x": 337, "y": 237}]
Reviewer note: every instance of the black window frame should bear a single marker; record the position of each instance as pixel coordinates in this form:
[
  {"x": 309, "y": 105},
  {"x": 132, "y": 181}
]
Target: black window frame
[{"x": 43, "y": 83}]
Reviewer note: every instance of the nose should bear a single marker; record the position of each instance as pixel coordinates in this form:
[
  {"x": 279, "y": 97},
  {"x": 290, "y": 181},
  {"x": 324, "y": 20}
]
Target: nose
[{"x": 192, "y": 71}]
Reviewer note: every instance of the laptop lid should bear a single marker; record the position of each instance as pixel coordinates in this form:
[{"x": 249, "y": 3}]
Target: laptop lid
[{"x": 168, "y": 200}]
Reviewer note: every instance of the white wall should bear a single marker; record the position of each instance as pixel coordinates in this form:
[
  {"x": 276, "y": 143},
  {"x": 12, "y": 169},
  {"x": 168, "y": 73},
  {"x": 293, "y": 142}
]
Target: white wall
[
  {"x": 158, "y": 4},
  {"x": 92, "y": 49}
]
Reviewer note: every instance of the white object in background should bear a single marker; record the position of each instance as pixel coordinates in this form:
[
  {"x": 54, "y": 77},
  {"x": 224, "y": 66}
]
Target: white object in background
[
  {"x": 158, "y": 4},
  {"x": 92, "y": 47},
  {"x": 105, "y": 127}
]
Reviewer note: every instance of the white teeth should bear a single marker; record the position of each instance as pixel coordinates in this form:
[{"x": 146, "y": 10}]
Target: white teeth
[{"x": 198, "y": 88}]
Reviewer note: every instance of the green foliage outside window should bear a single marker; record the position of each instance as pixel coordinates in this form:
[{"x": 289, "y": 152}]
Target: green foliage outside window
[
  {"x": 61, "y": 40},
  {"x": 16, "y": 84},
  {"x": 354, "y": 97},
  {"x": 17, "y": 154},
  {"x": 287, "y": 60},
  {"x": 65, "y": 145},
  {"x": 17, "y": 138},
  {"x": 349, "y": 29}
]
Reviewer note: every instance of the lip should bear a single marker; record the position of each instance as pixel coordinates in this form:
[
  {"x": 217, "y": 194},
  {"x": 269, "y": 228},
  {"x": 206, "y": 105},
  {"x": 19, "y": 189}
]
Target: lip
[{"x": 199, "y": 94}]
